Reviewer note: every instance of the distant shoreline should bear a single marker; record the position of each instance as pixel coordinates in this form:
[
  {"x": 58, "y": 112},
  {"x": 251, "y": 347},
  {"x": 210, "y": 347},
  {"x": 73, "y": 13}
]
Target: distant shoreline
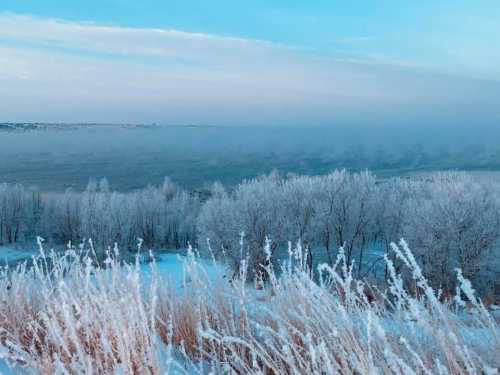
[{"x": 33, "y": 126}]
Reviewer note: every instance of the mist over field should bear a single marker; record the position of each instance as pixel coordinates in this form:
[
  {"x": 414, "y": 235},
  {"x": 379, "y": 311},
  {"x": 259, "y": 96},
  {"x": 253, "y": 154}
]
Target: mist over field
[{"x": 54, "y": 157}]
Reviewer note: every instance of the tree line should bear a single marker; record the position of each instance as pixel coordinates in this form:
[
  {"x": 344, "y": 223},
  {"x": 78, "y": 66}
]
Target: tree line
[
  {"x": 163, "y": 216},
  {"x": 451, "y": 219}
]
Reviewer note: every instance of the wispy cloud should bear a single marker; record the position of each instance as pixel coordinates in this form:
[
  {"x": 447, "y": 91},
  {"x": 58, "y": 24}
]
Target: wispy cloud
[{"x": 58, "y": 70}]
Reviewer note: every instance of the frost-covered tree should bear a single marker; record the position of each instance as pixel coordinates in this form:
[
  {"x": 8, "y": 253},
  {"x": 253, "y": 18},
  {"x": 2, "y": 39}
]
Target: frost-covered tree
[
  {"x": 299, "y": 197},
  {"x": 220, "y": 223},
  {"x": 13, "y": 212},
  {"x": 346, "y": 213},
  {"x": 96, "y": 214},
  {"x": 452, "y": 221},
  {"x": 256, "y": 209},
  {"x": 325, "y": 202},
  {"x": 62, "y": 217},
  {"x": 390, "y": 214}
]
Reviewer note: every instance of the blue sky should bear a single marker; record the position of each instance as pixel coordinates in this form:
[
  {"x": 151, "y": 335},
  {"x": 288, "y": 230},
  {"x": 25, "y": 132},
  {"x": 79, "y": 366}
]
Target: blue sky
[{"x": 220, "y": 61}]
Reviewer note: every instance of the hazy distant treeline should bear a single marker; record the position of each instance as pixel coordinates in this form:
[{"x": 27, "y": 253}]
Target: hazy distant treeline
[{"x": 450, "y": 219}]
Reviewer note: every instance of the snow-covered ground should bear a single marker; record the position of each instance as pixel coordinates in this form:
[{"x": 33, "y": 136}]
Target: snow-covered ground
[
  {"x": 8, "y": 367},
  {"x": 169, "y": 265},
  {"x": 12, "y": 255},
  {"x": 171, "y": 268}
]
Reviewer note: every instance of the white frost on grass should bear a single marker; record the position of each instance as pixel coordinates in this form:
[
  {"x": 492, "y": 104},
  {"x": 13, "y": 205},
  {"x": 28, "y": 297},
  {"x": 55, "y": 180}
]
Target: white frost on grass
[{"x": 68, "y": 314}]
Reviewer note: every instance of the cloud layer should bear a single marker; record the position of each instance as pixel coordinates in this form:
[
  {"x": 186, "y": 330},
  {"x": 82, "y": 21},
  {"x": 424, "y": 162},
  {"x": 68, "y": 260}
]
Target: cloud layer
[{"x": 52, "y": 70}]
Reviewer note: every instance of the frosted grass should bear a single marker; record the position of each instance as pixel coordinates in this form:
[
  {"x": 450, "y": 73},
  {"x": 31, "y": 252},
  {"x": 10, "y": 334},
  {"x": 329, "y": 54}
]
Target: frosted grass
[{"x": 68, "y": 314}]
